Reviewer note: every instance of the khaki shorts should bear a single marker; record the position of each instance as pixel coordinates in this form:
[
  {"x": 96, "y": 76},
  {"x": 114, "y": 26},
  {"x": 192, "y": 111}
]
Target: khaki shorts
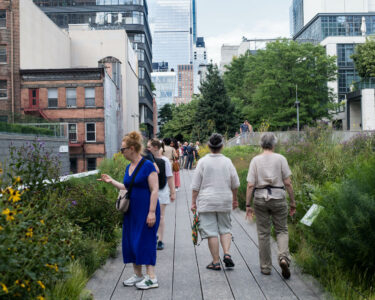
[{"x": 211, "y": 224}]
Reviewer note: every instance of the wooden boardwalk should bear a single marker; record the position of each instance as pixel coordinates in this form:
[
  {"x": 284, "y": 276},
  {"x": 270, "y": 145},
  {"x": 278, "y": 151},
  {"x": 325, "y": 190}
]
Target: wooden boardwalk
[{"x": 181, "y": 267}]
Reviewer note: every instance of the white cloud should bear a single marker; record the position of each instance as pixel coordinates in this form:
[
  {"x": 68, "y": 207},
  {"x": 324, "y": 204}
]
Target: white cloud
[{"x": 262, "y": 29}]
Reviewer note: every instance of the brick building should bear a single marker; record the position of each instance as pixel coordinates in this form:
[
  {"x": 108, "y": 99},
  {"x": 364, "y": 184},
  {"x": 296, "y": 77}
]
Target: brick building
[
  {"x": 185, "y": 79},
  {"x": 87, "y": 99},
  {"x": 9, "y": 59}
]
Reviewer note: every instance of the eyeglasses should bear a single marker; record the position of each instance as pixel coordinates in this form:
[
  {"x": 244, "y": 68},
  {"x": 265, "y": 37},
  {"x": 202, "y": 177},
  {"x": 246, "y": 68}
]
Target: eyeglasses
[{"x": 123, "y": 149}]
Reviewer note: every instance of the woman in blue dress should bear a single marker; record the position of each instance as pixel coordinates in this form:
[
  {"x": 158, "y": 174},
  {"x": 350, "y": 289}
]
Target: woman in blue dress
[{"x": 141, "y": 221}]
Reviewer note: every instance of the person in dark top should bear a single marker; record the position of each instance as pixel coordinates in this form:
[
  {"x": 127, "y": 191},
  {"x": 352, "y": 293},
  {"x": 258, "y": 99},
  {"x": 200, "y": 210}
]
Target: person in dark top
[
  {"x": 190, "y": 156},
  {"x": 148, "y": 155}
]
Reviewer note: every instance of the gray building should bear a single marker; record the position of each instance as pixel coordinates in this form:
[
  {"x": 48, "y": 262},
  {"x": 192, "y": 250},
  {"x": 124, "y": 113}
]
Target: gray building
[
  {"x": 131, "y": 15},
  {"x": 171, "y": 22}
]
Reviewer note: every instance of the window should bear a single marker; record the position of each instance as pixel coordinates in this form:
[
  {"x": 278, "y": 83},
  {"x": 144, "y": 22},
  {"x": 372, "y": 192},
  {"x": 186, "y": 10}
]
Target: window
[
  {"x": 71, "y": 98},
  {"x": 141, "y": 90},
  {"x": 89, "y": 97},
  {"x": 141, "y": 54},
  {"x": 73, "y": 165},
  {"x": 3, "y": 89},
  {"x": 72, "y": 132},
  {"x": 90, "y": 132},
  {"x": 91, "y": 164},
  {"x": 52, "y": 97},
  {"x": 141, "y": 72},
  {"x": 3, "y": 18},
  {"x": 3, "y": 54}
]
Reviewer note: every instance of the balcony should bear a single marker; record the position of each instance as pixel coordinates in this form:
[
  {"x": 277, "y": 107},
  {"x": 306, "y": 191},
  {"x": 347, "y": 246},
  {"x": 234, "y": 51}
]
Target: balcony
[{"x": 364, "y": 83}]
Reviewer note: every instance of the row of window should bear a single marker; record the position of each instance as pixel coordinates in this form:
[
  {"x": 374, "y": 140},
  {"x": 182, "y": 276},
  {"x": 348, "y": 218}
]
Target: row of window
[
  {"x": 97, "y": 19},
  {"x": 90, "y": 163},
  {"x": 86, "y": 2},
  {"x": 71, "y": 97},
  {"x": 90, "y": 132}
]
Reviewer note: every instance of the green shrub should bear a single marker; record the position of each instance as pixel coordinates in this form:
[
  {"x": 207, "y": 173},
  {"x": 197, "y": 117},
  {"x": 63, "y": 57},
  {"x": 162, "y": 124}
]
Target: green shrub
[
  {"x": 91, "y": 205},
  {"x": 18, "y": 128},
  {"x": 345, "y": 227}
]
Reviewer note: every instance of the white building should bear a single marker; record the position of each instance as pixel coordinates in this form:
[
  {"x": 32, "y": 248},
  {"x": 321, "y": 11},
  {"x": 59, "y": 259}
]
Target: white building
[{"x": 199, "y": 60}]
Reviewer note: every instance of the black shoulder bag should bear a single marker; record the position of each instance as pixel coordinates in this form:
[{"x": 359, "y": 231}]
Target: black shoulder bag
[{"x": 123, "y": 198}]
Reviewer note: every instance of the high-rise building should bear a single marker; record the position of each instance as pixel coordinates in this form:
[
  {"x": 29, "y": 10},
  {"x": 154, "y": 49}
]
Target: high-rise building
[
  {"x": 165, "y": 87},
  {"x": 338, "y": 25},
  {"x": 131, "y": 15},
  {"x": 185, "y": 84},
  {"x": 171, "y": 22},
  {"x": 199, "y": 59}
]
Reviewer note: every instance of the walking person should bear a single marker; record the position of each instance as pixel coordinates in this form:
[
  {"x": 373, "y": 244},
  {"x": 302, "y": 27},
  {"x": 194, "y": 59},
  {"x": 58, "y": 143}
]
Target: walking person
[
  {"x": 176, "y": 165},
  {"x": 214, "y": 196},
  {"x": 141, "y": 221},
  {"x": 168, "y": 151},
  {"x": 268, "y": 177},
  {"x": 167, "y": 193},
  {"x": 245, "y": 128},
  {"x": 190, "y": 156},
  {"x": 181, "y": 154}
]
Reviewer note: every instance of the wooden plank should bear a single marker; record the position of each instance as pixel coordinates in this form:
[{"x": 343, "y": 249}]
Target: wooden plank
[
  {"x": 164, "y": 263},
  {"x": 296, "y": 283},
  {"x": 186, "y": 280},
  {"x": 273, "y": 286},
  {"x": 241, "y": 279},
  {"x": 214, "y": 283},
  {"x": 125, "y": 292},
  {"x": 104, "y": 280}
]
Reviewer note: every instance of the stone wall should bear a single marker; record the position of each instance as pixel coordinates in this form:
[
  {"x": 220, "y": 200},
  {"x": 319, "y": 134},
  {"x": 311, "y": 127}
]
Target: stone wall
[
  {"x": 56, "y": 145},
  {"x": 289, "y": 137}
]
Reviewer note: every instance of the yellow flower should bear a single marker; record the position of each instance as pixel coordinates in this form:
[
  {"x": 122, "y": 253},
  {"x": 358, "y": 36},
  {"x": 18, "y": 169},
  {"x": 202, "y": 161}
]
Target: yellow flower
[
  {"x": 5, "y": 289},
  {"x": 42, "y": 221},
  {"x": 1, "y": 228},
  {"x": 15, "y": 196},
  {"x": 23, "y": 285},
  {"x": 44, "y": 240},
  {"x": 40, "y": 298},
  {"x": 17, "y": 179},
  {"x": 55, "y": 267},
  {"x": 41, "y": 284},
  {"x": 10, "y": 214},
  {"x": 29, "y": 232}
]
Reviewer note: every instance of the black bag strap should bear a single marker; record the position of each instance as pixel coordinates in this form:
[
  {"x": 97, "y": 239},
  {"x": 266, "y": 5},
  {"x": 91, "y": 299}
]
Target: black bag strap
[{"x": 135, "y": 174}]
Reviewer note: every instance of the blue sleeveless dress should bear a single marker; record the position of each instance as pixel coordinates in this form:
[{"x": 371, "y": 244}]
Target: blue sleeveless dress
[{"x": 139, "y": 240}]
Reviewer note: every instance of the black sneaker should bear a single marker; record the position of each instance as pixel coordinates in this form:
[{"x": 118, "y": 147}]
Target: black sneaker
[
  {"x": 160, "y": 245},
  {"x": 285, "y": 268}
]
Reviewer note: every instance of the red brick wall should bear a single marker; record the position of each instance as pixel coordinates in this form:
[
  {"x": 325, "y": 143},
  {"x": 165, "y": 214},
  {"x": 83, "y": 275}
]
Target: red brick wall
[{"x": 5, "y": 69}]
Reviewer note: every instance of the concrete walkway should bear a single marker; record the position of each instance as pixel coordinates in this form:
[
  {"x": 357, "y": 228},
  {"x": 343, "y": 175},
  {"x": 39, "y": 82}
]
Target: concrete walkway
[{"x": 181, "y": 267}]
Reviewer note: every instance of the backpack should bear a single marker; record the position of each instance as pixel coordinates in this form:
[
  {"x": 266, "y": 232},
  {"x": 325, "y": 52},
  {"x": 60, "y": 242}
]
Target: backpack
[{"x": 162, "y": 176}]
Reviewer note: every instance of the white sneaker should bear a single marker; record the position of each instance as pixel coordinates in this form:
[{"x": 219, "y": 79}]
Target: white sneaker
[
  {"x": 176, "y": 189},
  {"x": 132, "y": 280},
  {"x": 147, "y": 283}
]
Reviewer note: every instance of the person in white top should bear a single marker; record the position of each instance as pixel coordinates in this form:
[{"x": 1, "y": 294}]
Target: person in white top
[
  {"x": 215, "y": 185},
  {"x": 167, "y": 194}
]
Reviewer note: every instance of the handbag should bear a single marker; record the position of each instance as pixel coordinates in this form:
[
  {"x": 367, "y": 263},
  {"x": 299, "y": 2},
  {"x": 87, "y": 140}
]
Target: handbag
[
  {"x": 175, "y": 166},
  {"x": 123, "y": 198}
]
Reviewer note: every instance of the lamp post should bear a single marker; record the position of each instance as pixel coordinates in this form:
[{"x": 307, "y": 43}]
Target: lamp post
[{"x": 297, "y": 105}]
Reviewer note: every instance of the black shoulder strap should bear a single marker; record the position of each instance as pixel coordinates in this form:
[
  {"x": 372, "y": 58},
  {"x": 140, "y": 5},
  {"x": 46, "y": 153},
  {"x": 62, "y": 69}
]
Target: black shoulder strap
[{"x": 135, "y": 174}]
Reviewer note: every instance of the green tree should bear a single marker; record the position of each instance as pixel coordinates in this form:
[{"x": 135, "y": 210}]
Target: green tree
[
  {"x": 165, "y": 115},
  {"x": 364, "y": 59},
  {"x": 182, "y": 124},
  {"x": 267, "y": 90},
  {"x": 215, "y": 111}
]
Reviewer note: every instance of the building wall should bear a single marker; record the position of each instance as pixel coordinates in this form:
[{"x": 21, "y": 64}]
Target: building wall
[
  {"x": 80, "y": 115},
  {"x": 185, "y": 79},
  {"x": 43, "y": 45},
  {"x": 355, "y": 116},
  {"x": 50, "y": 144},
  {"x": 90, "y": 46},
  {"x": 227, "y": 54},
  {"x": 368, "y": 109},
  {"x": 313, "y": 7},
  {"x": 10, "y": 38}
]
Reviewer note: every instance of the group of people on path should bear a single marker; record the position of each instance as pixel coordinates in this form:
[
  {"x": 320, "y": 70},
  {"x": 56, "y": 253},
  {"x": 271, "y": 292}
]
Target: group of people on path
[{"x": 214, "y": 195}]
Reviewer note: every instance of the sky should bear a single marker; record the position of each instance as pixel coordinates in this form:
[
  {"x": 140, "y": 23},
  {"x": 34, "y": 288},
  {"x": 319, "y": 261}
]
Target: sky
[{"x": 227, "y": 21}]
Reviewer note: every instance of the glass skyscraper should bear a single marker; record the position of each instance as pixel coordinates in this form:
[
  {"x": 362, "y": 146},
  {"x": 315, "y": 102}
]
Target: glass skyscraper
[
  {"x": 131, "y": 15},
  {"x": 171, "y": 22}
]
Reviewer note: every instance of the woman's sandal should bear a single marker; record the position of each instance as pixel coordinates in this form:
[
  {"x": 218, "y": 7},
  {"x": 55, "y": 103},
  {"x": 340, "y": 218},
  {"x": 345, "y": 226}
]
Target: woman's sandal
[
  {"x": 213, "y": 266},
  {"x": 228, "y": 261}
]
